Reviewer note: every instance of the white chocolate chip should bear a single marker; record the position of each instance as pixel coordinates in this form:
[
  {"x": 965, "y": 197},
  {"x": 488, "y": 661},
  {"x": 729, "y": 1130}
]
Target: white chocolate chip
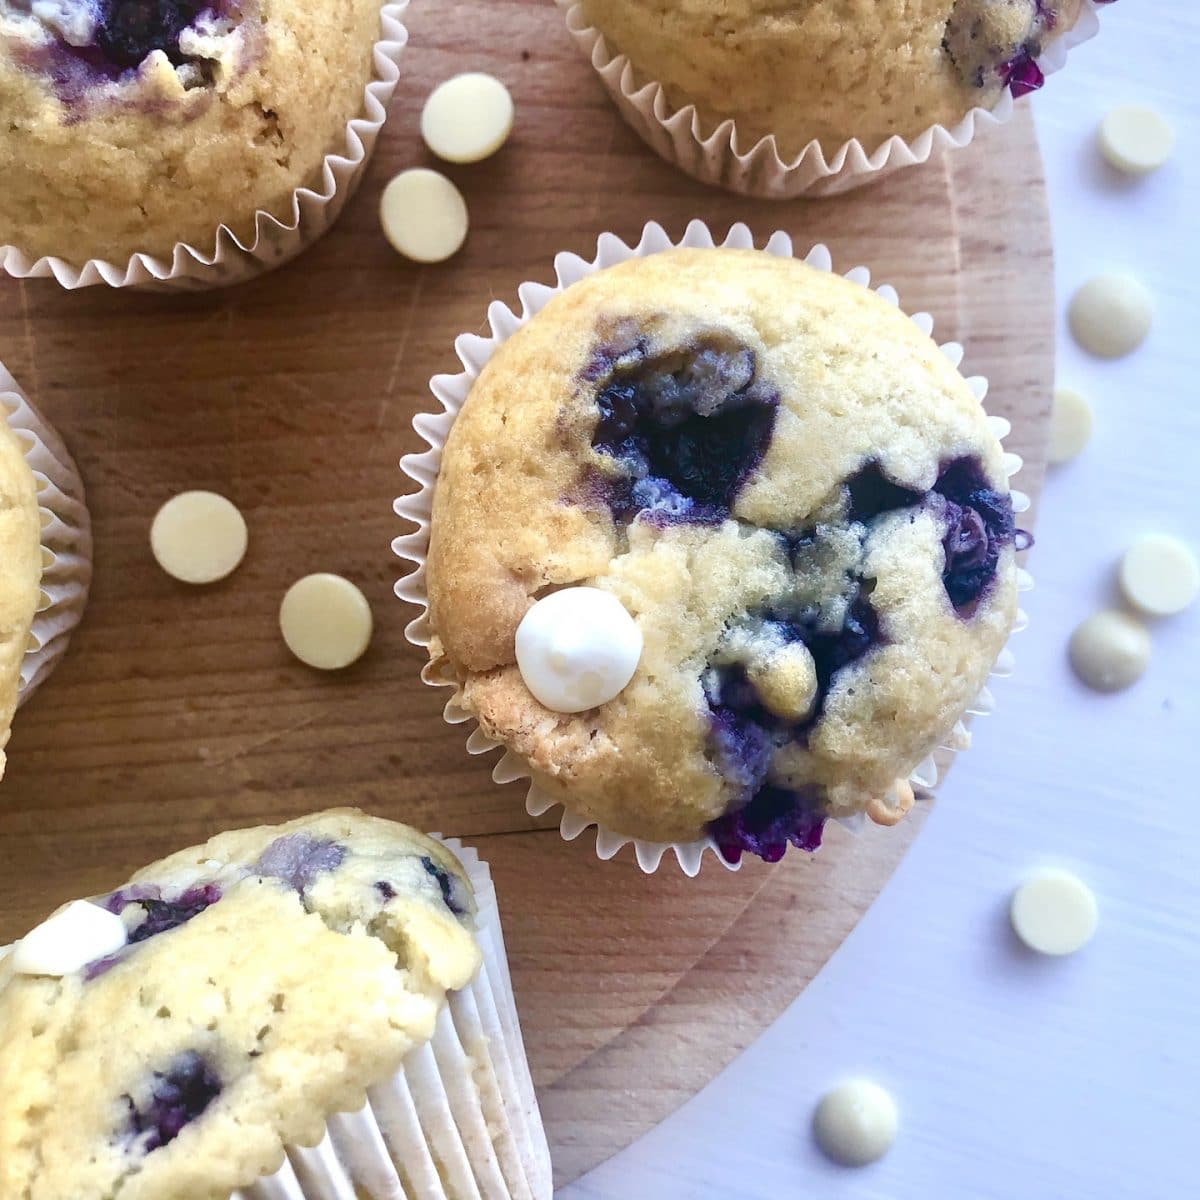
[
  {"x": 856, "y": 1123},
  {"x": 198, "y": 537},
  {"x": 74, "y": 936},
  {"x": 1159, "y": 575},
  {"x": 424, "y": 215},
  {"x": 577, "y": 648},
  {"x": 1110, "y": 315},
  {"x": 786, "y": 681},
  {"x": 1054, "y": 913},
  {"x": 894, "y": 805},
  {"x": 325, "y": 621},
  {"x": 1070, "y": 425},
  {"x": 1110, "y": 651},
  {"x": 1136, "y": 139},
  {"x": 467, "y": 118}
]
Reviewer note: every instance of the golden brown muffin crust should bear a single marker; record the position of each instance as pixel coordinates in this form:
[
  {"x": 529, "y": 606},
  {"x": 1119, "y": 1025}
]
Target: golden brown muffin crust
[
  {"x": 829, "y": 70},
  {"x": 95, "y": 168},
  {"x": 515, "y": 515}
]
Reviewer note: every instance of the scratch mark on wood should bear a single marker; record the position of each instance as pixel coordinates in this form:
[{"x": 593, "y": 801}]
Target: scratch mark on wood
[
  {"x": 405, "y": 334},
  {"x": 263, "y": 742},
  {"x": 296, "y": 384}
]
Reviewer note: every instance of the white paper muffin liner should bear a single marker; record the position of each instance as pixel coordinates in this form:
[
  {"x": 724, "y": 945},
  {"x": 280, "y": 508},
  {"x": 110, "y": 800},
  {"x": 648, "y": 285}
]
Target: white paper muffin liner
[
  {"x": 451, "y": 391},
  {"x": 276, "y": 240},
  {"x": 717, "y": 156},
  {"x": 66, "y": 535},
  {"x": 458, "y": 1121}
]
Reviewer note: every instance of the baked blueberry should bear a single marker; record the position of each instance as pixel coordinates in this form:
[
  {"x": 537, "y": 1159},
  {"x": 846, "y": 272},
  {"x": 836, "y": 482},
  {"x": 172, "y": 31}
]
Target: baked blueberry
[
  {"x": 774, "y": 819},
  {"x": 871, "y": 493},
  {"x": 177, "y": 1096},
  {"x": 996, "y": 43},
  {"x": 297, "y": 859},
  {"x": 447, "y": 885},
  {"x": 686, "y": 427},
  {"x": 162, "y": 915},
  {"x": 128, "y": 31},
  {"x": 979, "y": 527}
]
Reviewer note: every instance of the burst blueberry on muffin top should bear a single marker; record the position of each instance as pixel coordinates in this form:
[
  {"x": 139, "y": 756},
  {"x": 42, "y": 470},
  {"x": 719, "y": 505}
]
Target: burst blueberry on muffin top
[
  {"x": 20, "y": 569},
  {"x": 793, "y": 493},
  {"x": 833, "y": 70},
  {"x": 267, "y": 978},
  {"x": 132, "y": 125}
]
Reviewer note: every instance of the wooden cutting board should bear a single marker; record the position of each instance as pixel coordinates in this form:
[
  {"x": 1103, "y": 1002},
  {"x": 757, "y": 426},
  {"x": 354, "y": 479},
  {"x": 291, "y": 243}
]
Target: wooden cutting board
[{"x": 178, "y": 711}]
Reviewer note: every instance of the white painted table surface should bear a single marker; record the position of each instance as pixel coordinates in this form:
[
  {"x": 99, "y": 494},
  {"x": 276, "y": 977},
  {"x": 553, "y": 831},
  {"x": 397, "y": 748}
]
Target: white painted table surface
[{"x": 1019, "y": 1078}]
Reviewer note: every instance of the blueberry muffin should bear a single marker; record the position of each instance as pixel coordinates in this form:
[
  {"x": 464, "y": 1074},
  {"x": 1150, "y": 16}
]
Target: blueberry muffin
[
  {"x": 793, "y": 493},
  {"x": 20, "y": 569},
  {"x": 833, "y": 70},
  {"x": 260, "y": 983},
  {"x": 131, "y": 125}
]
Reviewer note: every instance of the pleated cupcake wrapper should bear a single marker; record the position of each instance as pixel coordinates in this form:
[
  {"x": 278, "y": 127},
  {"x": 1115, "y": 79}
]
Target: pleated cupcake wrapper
[
  {"x": 716, "y": 156},
  {"x": 458, "y": 1121},
  {"x": 276, "y": 240},
  {"x": 451, "y": 391},
  {"x": 66, "y": 535}
]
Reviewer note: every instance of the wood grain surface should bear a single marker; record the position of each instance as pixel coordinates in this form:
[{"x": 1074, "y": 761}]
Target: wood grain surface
[{"x": 178, "y": 711}]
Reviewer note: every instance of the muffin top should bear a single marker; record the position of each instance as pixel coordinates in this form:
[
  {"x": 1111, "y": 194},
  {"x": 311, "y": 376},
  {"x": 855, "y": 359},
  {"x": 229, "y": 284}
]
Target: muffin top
[
  {"x": 20, "y": 568},
  {"x": 270, "y": 976},
  {"x": 131, "y": 125},
  {"x": 793, "y": 493},
  {"x": 833, "y": 70}
]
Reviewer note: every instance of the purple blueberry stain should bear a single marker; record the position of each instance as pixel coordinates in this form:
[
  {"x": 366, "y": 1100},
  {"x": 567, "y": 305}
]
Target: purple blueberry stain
[
  {"x": 979, "y": 525},
  {"x": 129, "y": 31},
  {"x": 178, "y": 1095},
  {"x": 100, "y": 967},
  {"x": 685, "y": 427},
  {"x": 775, "y": 818},
  {"x": 764, "y": 818},
  {"x": 741, "y": 739},
  {"x": 982, "y": 61},
  {"x": 164, "y": 915},
  {"x": 623, "y": 345},
  {"x": 979, "y": 521},
  {"x": 1021, "y": 73},
  {"x": 110, "y": 39},
  {"x": 447, "y": 884},
  {"x": 298, "y": 858},
  {"x": 831, "y": 650},
  {"x": 834, "y": 649},
  {"x": 160, "y": 915},
  {"x": 871, "y": 493}
]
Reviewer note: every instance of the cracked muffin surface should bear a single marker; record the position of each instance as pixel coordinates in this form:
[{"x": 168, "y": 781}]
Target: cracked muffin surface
[
  {"x": 833, "y": 70},
  {"x": 270, "y": 977},
  {"x": 794, "y": 494},
  {"x": 20, "y": 570},
  {"x": 131, "y": 125}
]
